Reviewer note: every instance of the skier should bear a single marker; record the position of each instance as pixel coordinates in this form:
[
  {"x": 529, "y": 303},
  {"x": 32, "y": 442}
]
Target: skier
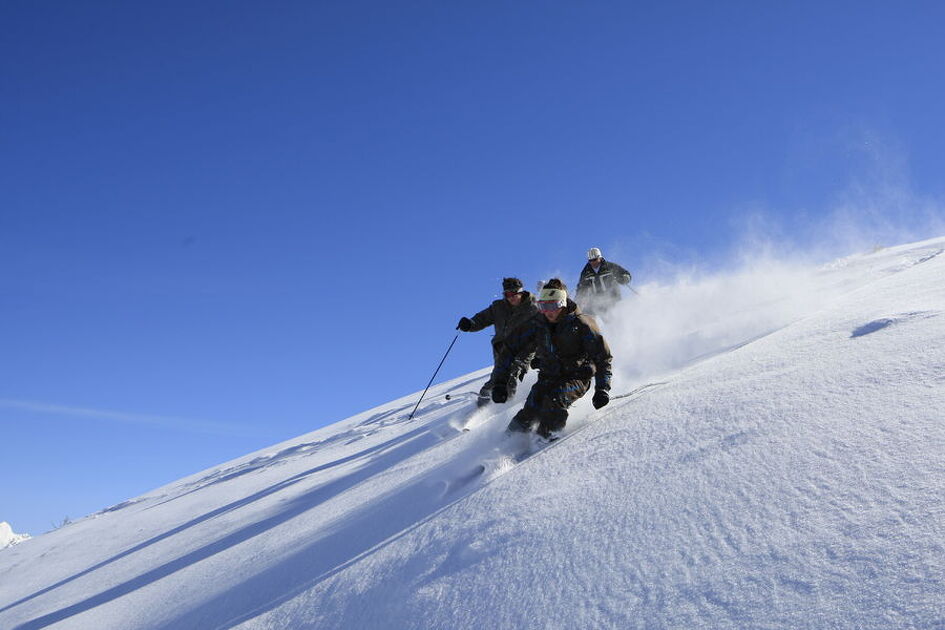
[
  {"x": 570, "y": 352},
  {"x": 515, "y": 307},
  {"x": 599, "y": 286}
]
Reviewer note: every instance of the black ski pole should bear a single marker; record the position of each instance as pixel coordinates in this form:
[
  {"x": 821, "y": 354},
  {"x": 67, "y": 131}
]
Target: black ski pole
[{"x": 433, "y": 377}]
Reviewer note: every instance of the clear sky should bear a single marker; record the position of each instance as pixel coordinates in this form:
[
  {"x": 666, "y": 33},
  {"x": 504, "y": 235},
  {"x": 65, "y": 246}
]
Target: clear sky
[{"x": 224, "y": 224}]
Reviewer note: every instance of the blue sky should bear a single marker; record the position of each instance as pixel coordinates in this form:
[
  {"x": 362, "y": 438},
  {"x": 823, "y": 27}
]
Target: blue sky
[{"x": 226, "y": 224}]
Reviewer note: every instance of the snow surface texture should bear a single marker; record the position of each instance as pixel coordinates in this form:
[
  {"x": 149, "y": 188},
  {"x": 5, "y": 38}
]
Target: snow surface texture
[
  {"x": 8, "y": 538},
  {"x": 777, "y": 464}
]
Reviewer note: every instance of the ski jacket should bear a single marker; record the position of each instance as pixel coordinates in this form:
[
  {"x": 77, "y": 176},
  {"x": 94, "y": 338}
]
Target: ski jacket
[
  {"x": 504, "y": 316},
  {"x": 564, "y": 349},
  {"x": 604, "y": 283}
]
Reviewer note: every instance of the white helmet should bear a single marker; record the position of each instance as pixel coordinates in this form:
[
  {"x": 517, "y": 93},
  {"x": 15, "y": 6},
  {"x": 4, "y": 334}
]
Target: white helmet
[{"x": 593, "y": 253}]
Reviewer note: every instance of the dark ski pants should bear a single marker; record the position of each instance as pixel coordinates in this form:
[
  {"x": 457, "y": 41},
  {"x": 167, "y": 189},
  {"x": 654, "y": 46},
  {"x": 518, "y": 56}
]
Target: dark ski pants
[
  {"x": 547, "y": 403},
  {"x": 512, "y": 384}
]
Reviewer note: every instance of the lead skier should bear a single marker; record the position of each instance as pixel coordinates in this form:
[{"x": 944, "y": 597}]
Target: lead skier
[{"x": 571, "y": 352}]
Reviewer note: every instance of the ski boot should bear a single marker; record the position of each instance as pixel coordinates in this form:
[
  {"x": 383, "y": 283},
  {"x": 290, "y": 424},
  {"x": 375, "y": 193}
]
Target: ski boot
[
  {"x": 545, "y": 433},
  {"x": 485, "y": 398},
  {"x": 515, "y": 426}
]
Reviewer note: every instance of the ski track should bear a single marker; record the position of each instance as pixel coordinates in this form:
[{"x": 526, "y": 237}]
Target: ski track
[{"x": 450, "y": 483}]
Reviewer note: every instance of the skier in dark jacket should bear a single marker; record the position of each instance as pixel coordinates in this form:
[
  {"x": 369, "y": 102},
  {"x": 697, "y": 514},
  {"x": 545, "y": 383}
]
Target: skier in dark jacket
[
  {"x": 571, "y": 353},
  {"x": 599, "y": 286},
  {"x": 515, "y": 307}
]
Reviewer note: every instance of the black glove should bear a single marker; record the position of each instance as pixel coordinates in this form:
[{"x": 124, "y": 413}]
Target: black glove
[
  {"x": 536, "y": 363},
  {"x": 500, "y": 393},
  {"x": 464, "y": 324},
  {"x": 518, "y": 370},
  {"x": 601, "y": 398},
  {"x": 585, "y": 372}
]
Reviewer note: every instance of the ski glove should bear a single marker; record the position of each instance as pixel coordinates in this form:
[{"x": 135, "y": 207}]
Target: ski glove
[
  {"x": 601, "y": 398},
  {"x": 500, "y": 393},
  {"x": 518, "y": 370},
  {"x": 464, "y": 324}
]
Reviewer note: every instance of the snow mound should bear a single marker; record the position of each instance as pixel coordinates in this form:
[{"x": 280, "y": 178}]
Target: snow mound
[{"x": 8, "y": 538}]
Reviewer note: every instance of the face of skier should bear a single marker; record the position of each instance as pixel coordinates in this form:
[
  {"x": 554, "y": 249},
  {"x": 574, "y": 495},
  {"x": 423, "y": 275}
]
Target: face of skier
[
  {"x": 595, "y": 263},
  {"x": 513, "y": 297},
  {"x": 553, "y": 316}
]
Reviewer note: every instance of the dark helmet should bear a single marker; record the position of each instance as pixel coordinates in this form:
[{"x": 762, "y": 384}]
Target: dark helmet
[{"x": 511, "y": 285}]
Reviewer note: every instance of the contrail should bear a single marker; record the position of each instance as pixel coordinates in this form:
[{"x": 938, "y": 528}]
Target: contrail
[{"x": 167, "y": 422}]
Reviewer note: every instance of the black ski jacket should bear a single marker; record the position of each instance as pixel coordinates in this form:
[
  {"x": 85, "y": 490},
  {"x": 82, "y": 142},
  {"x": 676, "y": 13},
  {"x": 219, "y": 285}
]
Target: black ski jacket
[
  {"x": 564, "y": 348},
  {"x": 604, "y": 283}
]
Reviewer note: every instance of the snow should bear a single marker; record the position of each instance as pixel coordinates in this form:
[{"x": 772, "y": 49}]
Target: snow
[
  {"x": 7, "y": 536},
  {"x": 783, "y": 469}
]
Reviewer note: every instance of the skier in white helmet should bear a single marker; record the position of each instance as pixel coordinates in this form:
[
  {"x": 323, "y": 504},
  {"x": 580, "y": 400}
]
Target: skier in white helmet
[{"x": 599, "y": 285}]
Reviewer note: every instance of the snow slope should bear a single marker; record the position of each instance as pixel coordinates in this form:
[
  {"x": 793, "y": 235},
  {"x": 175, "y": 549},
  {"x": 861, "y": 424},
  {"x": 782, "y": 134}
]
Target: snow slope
[{"x": 777, "y": 465}]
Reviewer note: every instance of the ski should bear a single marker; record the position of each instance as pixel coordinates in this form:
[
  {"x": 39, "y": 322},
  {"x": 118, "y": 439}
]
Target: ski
[{"x": 514, "y": 450}]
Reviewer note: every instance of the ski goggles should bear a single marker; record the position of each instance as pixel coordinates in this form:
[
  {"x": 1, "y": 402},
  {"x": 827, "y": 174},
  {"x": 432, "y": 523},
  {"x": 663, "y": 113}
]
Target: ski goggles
[
  {"x": 511, "y": 293},
  {"x": 549, "y": 306}
]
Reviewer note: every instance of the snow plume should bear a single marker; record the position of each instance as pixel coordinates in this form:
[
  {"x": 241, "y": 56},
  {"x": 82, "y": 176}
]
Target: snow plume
[
  {"x": 8, "y": 538},
  {"x": 771, "y": 275},
  {"x": 865, "y": 217},
  {"x": 680, "y": 315},
  {"x": 671, "y": 323},
  {"x": 878, "y": 204}
]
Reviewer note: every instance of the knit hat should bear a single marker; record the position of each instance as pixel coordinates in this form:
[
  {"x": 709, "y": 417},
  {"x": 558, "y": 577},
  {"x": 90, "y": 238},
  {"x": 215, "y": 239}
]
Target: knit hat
[
  {"x": 593, "y": 253},
  {"x": 559, "y": 297}
]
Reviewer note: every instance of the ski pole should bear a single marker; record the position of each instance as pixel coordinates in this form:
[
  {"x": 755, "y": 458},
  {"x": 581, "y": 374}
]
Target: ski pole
[{"x": 433, "y": 377}]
